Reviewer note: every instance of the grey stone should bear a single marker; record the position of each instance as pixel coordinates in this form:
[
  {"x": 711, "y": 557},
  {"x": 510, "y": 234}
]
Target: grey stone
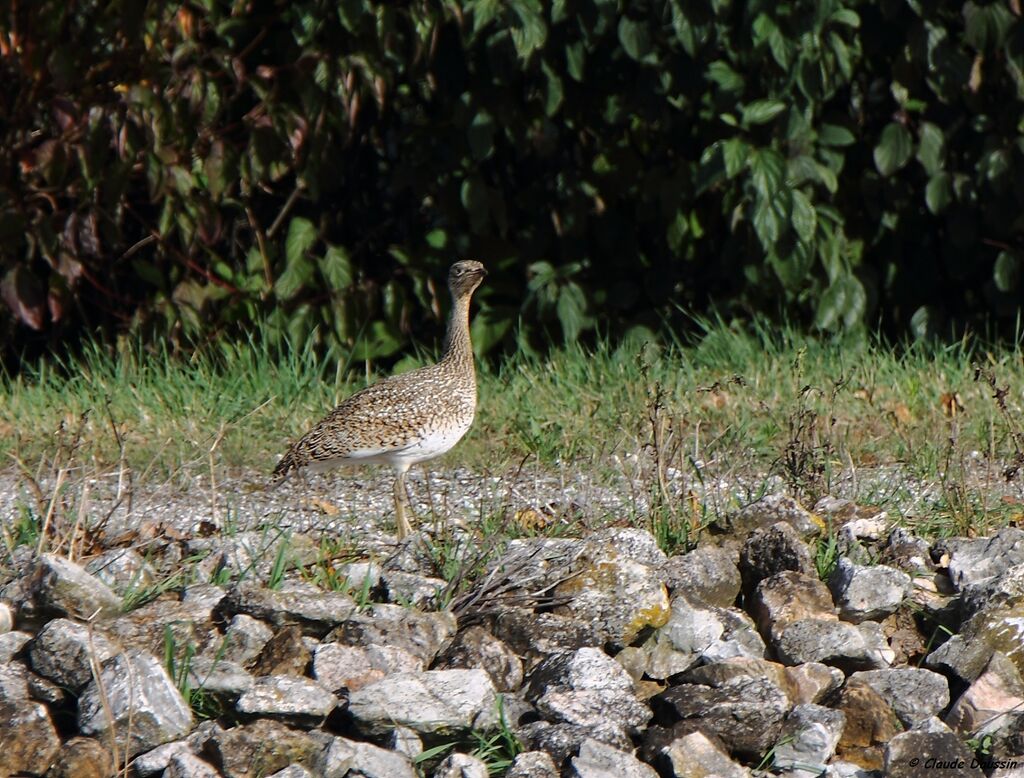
[
  {"x": 535, "y": 635},
  {"x": 287, "y": 696},
  {"x": 706, "y": 574},
  {"x": 598, "y": 760},
  {"x": 422, "y": 634},
  {"x": 293, "y": 771},
  {"x": 315, "y": 611},
  {"x": 697, "y": 756},
  {"x": 28, "y": 739},
  {"x": 370, "y": 761},
  {"x": 335, "y": 760},
  {"x": 219, "y": 677},
  {"x": 476, "y": 647},
  {"x": 135, "y": 688},
  {"x": 440, "y": 701},
  {"x": 533, "y": 764},
  {"x": 993, "y": 705},
  {"x": 809, "y": 738},
  {"x": 461, "y": 766},
  {"x": 63, "y": 652},
  {"x": 412, "y": 589},
  {"x": 405, "y": 741},
  {"x": 14, "y": 681},
  {"x": 973, "y": 559},
  {"x": 252, "y": 552},
  {"x": 244, "y": 639},
  {"x": 336, "y": 666},
  {"x": 788, "y": 597},
  {"x": 850, "y": 647},
  {"x": 190, "y": 623},
  {"x": 261, "y": 748},
  {"x": 124, "y": 570},
  {"x": 914, "y": 754},
  {"x": 204, "y": 595},
  {"x": 771, "y": 550},
  {"x": 360, "y": 576},
  {"x": 740, "y": 638},
  {"x": 284, "y": 654},
  {"x": 82, "y": 757},
  {"x": 810, "y": 682},
  {"x": 63, "y": 587},
  {"x": 864, "y": 593},
  {"x": 561, "y": 741},
  {"x": 914, "y": 693},
  {"x": 772, "y": 509},
  {"x": 589, "y": 689},
  {"x": 185, "y": 764},
  {"x": 745, "y": 713},
  {"x": 6, "y": 618},
  {"x": 156, "y": 760},
  {"x": 12, "y": 643},
  {"x": 691, "y": 628}
]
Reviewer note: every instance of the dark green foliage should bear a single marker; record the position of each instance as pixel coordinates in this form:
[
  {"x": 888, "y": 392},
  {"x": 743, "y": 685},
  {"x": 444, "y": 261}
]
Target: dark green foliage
[{"x": 184, "y": 168}]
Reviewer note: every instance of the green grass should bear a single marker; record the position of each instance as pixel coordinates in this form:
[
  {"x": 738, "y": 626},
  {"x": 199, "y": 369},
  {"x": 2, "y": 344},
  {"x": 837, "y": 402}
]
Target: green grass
[{"x": 741, "y": 403}]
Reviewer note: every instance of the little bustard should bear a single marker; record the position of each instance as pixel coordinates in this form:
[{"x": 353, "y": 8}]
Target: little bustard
[{"x": 407, "y": 418}]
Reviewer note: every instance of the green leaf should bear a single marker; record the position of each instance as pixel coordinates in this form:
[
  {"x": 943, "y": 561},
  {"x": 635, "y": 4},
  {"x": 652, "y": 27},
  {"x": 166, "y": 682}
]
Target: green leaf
[
  {"x": 894, "y": 149},
  {"x": 987, "y": 24},
  {"x": 677, "y": 230},
  {"x": 474, "y": 200},
  {"x": 804, "y": 219},
  {"x": 938, "y": 194},
  {"x": 294, "y": 278},
  {"x": 931, "y": 148},
  {"x": 336, "y": 267},
  {"x": 219, "y": 169},
  {"x": 835, "y": 135},
  {"x": 575, "y": 60},
  {"x": 768, "y": 169},
  {"x": 301, "y": 235},
  {"x": 554, "y": 93},
  {"x": 483, "y": 12},
  {"x": 842, "y": 305},
  {"x": 728, "y": 80},
  {"x": 571, "y": 309},
  {"x": 1006, "y": 272},
  {"x": 734, "y": 154},
  {"x": 480, "y": 135},
  {"x": 771, "y": 217},
  {"x": 635, "y": 38},
  {"x": 531, "y": 32},
  {"x": 437, "y": 239},
  {"x": 762, "y": 111},
  {"x": 845, "y": 16}
]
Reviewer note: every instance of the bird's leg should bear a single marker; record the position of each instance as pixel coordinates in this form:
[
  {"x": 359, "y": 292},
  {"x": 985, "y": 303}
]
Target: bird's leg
[{"x": 401, "y": 505}]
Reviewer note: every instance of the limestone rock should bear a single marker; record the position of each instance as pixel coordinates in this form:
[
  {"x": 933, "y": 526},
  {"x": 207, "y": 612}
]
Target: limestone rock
[
  {"x": 915, "y": 694},
  {"x": 745, "y": 713},
  {"x": 807, "y": 683},
  {"x": 12, "y": 643},
  {"x": 870, "y": 725},
  {"x": 260, "y": 748},
  {"x": 63, "y": 649},
  {"x": 864, "y": 593},
  {"x": 187, "y": 765},
  {"x": 707, "y": 574},
  {"x": 697, "y": 756},
  {"x": 539, "y": 634},
  {"x": 336, "y": 666},
  {"x": 561, "y": 741},
  {"x": 28, "y": 739},
  {"x": 191, "y": 627},
  {"x": 412, "y": 589},
  {"x": 223, "y": 678},
  {"x": 993, "y": 704},
  {"x": 770, "y": 510},
  {"x": 772, "y": 550},
  {"x": 809, "y": 738},
  {"x": 973, "y": 559},
  {"x": 370, "y": 761},
  {"x": 65, "y": 588},
  {"x": 788, "y": 597},
  {"x": 283, "y": 654},
  {"x": 244, "y": 640},
  {"x": 124, "y": 570},
  {"x": 422, "y": 634},
  {"x": 597, "y": 760},
  {"x": 135, "y": 687},
  {"x": 476, "y": 647},
  {"x": 287, "y": 696},
  {"x": 6, "y": 618},
  {"x": 588, "y": 689},
  {"x": 441, "y": 701},
  {"x": 928, "y": 749},
  {"x": 850, "y": 647},
  {"x": 315, "y": 611},
  {"x": 82, "y": 757},
  {"x": 293, "y": 771},
  {"x": 461, "y": 766},
  {"x": 533, "y": 764}
]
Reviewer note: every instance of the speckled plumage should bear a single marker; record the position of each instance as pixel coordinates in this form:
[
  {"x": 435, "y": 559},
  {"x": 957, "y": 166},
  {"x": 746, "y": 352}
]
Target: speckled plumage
[{"x": 407, "y": 418}]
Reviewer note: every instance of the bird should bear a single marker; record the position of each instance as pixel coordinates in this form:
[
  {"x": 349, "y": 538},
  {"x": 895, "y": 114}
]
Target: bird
[{"x": 407, "y": 418}]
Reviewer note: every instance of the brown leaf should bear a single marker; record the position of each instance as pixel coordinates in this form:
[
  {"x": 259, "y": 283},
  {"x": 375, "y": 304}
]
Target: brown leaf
[
  {"x": 327, "y": 508},
  {"x": 24, "y": 295},
  {"x": 951, "y": 403}
]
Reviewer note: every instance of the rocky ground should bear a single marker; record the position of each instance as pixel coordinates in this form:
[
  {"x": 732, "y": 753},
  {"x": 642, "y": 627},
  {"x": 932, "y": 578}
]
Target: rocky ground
[{"x": 595, "y": 656}]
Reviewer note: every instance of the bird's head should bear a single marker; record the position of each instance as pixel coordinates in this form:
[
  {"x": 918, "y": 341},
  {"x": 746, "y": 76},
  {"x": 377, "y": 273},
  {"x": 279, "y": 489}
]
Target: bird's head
[{"x": 465, "y": 276}]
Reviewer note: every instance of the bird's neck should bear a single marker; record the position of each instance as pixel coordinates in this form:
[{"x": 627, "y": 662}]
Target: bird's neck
[{"x": 458, "y": 348}]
